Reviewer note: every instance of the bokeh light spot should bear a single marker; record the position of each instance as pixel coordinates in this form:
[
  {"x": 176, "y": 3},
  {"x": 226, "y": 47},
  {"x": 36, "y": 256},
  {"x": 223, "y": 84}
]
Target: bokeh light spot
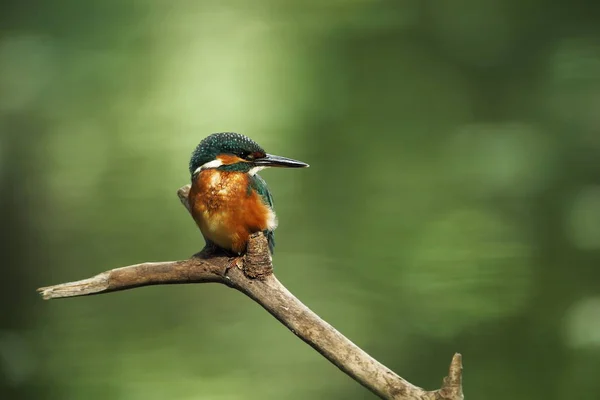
[
  {"x": 583, "y": 218},
  {"x": 509, "y": 159},
  {"x": 582, "y": 324}
]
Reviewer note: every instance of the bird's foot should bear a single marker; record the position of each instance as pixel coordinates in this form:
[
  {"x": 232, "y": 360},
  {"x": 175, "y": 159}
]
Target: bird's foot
[{"x": 235, "y": 261}]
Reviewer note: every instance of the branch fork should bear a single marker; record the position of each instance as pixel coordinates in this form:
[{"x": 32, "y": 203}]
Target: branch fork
[{"x": 252, "y": 274}]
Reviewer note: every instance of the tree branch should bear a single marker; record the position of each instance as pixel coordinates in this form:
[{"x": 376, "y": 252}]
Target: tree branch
[{"x": 252, "y": 274}]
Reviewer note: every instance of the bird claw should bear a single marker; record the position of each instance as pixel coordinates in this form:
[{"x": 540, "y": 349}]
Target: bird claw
[{"x": 235, "y": 262}]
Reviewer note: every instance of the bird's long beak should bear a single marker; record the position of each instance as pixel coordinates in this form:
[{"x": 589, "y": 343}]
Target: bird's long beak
[{"x": 271, "y": 160}]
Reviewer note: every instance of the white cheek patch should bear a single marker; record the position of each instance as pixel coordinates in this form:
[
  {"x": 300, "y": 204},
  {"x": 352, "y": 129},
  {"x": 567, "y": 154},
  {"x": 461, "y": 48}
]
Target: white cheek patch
[
  {"x": 211, "y": 164},
  {"x": 271, "y": 220},
  {"x": 254, "y": 170}
]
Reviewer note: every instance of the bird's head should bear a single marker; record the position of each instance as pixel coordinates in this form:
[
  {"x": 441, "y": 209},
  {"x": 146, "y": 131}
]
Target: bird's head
[{"x": 230, "y": 151}]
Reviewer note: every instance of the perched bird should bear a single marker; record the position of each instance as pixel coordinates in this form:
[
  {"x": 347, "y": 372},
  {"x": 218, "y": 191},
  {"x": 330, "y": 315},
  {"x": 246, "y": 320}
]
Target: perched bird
[{"x": 228, "y": 199}]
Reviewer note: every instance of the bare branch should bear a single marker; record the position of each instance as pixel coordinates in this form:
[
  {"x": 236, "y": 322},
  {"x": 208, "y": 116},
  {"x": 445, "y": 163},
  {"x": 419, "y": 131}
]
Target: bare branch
[
  {"x": 252, "y": 274},
  {"x": 194, "y": 270}
]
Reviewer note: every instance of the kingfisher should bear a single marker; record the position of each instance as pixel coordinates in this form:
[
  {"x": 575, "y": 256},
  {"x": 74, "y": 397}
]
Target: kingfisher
[{"x": 228, "y": 200}]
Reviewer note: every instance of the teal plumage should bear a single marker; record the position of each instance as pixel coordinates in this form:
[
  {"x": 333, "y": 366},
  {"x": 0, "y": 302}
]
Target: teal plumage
[{"x": 258, "y": 184}]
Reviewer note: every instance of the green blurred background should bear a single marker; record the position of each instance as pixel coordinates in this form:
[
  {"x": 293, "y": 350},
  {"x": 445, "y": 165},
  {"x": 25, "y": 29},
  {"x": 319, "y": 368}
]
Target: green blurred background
[{"x": 452, "y": 204}]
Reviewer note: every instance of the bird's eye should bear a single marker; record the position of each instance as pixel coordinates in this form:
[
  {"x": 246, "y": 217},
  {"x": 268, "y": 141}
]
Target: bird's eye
[{"x": 246, "y": 155}]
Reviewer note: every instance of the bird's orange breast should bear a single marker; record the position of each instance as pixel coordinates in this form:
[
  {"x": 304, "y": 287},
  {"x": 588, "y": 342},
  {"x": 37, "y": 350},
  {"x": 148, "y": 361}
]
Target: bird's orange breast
[{"x": 226, "y": 211}]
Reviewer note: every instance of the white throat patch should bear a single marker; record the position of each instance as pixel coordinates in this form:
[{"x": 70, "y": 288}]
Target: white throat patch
[{"x": 254, "y": 170}]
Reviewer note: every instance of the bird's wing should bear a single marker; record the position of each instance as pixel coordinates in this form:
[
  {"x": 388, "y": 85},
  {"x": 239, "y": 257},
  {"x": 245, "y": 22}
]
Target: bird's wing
[{"x": 258, "y": 183}]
